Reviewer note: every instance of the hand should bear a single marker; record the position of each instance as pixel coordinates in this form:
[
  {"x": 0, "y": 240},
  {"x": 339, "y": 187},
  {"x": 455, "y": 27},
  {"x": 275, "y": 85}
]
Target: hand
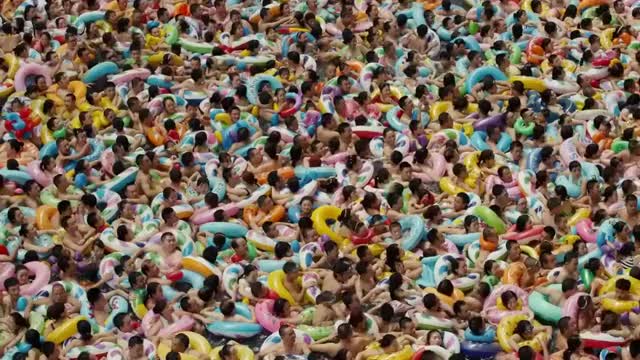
[{"x": 108, "y": 276}]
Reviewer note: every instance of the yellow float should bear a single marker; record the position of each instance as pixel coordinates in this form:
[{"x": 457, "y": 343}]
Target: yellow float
[
  {"x": 449, "y": 300},
  {"x": 320, "y": 217},
  {"x": 66, "y": 330},
  {"x": 530, "y": 83},
  {"x": 12, "y": 63},
  {"x": 242, "y": 352},
  {"x": 507, "y": 326},
  {"x": 199, "y": 265}
]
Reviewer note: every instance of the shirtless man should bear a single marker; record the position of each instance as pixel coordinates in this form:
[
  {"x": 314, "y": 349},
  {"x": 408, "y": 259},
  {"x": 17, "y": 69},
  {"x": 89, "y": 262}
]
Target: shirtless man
[
  {"x": 339, "y": 279},
  {"x": 135, "y": 349},
  {"x": 290, "y": 345},
  {"x": 144, "y": 184},
  {"x": 180, "y": 344},
  {"x": 630, "y": 212},
  {"x": 346, "y": 340},
  {"x": 558, "y": 298},
  {"x": 328, "y": 130},
  {"x": 59, "y": 295},
  {"x": 292, "y": 272},
  {"x": 61, "y": 185},
  {"x": 98, "y": 300}
]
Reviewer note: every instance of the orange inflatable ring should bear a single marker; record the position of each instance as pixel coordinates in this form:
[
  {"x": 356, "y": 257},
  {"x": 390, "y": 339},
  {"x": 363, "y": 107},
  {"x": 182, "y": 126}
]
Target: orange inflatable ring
[
  {"x": 603, "y": 141},
  {"x": 431, "y": 5},
  {"x": 624, "y": 38},
  {"x": 356, "y": 66},
  {"x": 514, "y": 273},
  {"x": 249, "y": 213},
  {"x": 274, "y": 10},
  {"x": 591, "y": 3},
  {"x": 487, "y": 245},
  {"x": 44, "y": 215},
  {"x": 284, "y": 173},
  {"x": 154, "y": 136},
  {"x": 181, "y": 9},
  {"x": 535, "y": 48}
]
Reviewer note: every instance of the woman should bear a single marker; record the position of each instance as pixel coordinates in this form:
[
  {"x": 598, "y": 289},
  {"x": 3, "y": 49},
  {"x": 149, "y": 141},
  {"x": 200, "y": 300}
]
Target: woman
[{"x": 12, "y": 330}]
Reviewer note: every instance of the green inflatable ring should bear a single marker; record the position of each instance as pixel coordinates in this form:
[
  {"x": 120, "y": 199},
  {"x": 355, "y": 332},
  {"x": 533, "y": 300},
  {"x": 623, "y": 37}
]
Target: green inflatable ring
[
  {"x": 59, "y": 134},
  {"x": 490, "y": 56},
  {"x": 590, "y": 13},
  {"x": 492, "y": 280},
  {"x": 587, "y": 277},
  {"x": 196, "y": 47},
  {"x": 316, "y": 332},
  {"x": 172, "y": 34},
  {"x": 473, "y": 28},
  {"x": 490, "y": 218},
  {"x": 524, "y": 128},
  {"x": 619, "y": 145},
  {"x": 543, "y": 310},
  {"x": 516, "y": 54}
]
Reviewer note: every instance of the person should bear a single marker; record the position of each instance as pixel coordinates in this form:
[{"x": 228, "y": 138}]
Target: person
[
  {"x": 135, "y": 348},
  {"x": 290, "y": 344}
]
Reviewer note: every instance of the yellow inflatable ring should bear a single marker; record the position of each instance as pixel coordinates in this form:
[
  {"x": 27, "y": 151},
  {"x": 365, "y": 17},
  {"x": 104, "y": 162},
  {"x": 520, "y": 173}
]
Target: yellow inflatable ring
[
  {"x": 443, "y": 106},
  {"x": 606, "y": 38},
  {"x": 447, "y": 185},
  {"x": 506, "y": 328},
  {"x": 619, "y": 306},
  {"x": 157, "y": 59},
  {"x": 65, "y": 331},
  {"x": 610, "y": 285},
  {"x": 449, "y": 300},
  {"x": 567, "y": 65},
  {"x": 320, "y": 217},
  {"x": 530, "y": 83},
  {"x": 404, "y": 354},
  {"x": 12, "y": 63},
  {"x": 199, "y": 265},
  {"x": 579, "y": 215},
  {"x": 275, "y": 282},
  {"x": 243, "y": 352}
]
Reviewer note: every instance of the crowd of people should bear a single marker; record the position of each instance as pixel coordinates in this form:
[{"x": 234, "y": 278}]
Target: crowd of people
[{"x": 319, "y": 179}]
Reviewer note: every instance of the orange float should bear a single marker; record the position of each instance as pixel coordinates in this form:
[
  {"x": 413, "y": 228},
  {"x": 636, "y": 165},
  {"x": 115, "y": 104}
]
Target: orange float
[
  {"x": 154, "y": 136},
  {"x": 591, "y": 3},
  {"x": 276, "y": 214},
  {"x": 514, "y": 273},
  {"x": 181, "y": 9},
  {"x": 431, "y": 4},
  {"x": 285, "y": 173},
  {"x": 44, "y": 217},
  {"x": 534, "y": 49},
  {"x": 355, "y": 66},
  {"x": 487, "y": 245},
  {"x": 624, "y": 38},
  {"x": 602, "y": 141},
  {"x": 273, "y": 11}
]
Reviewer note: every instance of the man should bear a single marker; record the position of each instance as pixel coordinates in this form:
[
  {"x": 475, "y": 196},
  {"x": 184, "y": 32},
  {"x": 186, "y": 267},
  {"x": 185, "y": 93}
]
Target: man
[
  {"x": 135, "y": 348},
  {"x": 290, "y": 345},
  {"x": 630, "y": 211}
]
